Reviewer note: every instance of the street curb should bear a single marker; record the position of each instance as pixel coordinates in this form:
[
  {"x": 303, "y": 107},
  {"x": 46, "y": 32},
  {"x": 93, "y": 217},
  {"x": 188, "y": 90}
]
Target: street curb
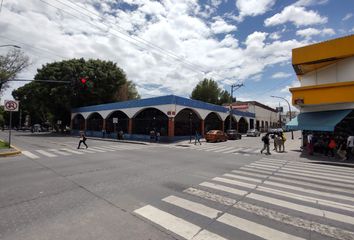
[
  {"x": 115, "y": 140},
  {"x": 5, "y": 154}
]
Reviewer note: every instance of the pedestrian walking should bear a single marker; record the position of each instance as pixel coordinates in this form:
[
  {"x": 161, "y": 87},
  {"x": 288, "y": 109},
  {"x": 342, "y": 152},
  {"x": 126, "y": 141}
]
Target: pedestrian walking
[
  {"x": 157, "y": 137},
  {"x": 82, "y": 140},
  {"x": 350, "y": 147},
  {"x": 197, "y": 138},
  {"x": 342, "y": 151},
  {"x": 265, "y": 140},
  {"x": 331, "y": 146},
  {"x": 309, "y": 143}
]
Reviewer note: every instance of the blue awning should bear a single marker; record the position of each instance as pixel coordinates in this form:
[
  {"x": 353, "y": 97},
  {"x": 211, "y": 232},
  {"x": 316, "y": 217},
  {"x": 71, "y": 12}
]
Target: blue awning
[{"x": 317, "y": 121}]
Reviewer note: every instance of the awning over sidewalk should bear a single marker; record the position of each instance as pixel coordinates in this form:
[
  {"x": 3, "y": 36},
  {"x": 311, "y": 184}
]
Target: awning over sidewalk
[{"x": 317, "y": 121}]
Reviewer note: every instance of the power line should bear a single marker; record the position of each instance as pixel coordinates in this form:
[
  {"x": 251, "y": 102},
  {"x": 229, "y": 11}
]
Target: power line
[
  {"x": 95, "y": 25},
  {"x": 142, "y": 40}
]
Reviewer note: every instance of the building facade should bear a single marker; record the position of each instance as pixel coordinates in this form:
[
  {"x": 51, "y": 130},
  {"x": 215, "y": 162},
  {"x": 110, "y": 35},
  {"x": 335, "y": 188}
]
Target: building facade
[
  {"x": 325, "y": 97},
  {"x": 265, "y": 116},
  {"x": 172, "y": 116}
]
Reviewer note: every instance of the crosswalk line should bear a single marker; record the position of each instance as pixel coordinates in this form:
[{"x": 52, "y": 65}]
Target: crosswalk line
[
  {"x": 264, "y": 165},
  {"x": 97, "y": 149},
  {"x": 29, "y": 154},
  {"x": 250, "y": 174},
  {"x": 87, "y": 150},
  {"x": 270, "y": 163},
  {"x": 225, "y": 149},
  {"x": 212, "y": 149},
  {"x": 320, "y": 170},
  {"x": 242, "y": 177},
  {"x": 325, "y": 167},
  {"x": 59, "y": 152},
  {"x": 230, "y": 151},
  {"x": 273, "y": 215},
  {"x": 347, "y": 207},
  {"x": 338, "y": 176},
  {"x": 247, "y": 150},
  {"x": 71, "y": 151},
  {"x": 255, "y": 228},
  {"x": 192, "y": 206},
  {"x": 238, "y": 149},
  {"x": 103, "y": 148},
  {"x": 231, "y": 220},
  {"x": 47, "y": 154},
  {"x": 236, "y": 153},
  {"x": 175, "y": 224},
  {"x": 286, "y": 204},
  {"x": 246, "y": 154}
]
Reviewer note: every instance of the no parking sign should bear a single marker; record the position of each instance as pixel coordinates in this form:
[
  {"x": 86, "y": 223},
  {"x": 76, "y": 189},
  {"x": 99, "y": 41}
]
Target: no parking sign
[{"x": 11, "y": 105}]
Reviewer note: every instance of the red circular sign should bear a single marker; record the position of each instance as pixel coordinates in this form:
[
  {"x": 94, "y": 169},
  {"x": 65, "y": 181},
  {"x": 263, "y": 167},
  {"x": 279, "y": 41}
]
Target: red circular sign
[{"x": 11, "y": 105}]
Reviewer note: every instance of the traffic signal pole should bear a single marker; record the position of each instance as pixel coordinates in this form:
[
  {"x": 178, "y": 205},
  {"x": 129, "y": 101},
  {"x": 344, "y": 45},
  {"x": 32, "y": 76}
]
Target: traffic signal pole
[{"x": 233, "y": 88}]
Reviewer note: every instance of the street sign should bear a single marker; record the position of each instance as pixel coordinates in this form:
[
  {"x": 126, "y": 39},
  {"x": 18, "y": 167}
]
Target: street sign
[
  {"x": 279, "y": 109},
  {"x": 11, "y": 105},
  {"x": 115, "y": 120}
]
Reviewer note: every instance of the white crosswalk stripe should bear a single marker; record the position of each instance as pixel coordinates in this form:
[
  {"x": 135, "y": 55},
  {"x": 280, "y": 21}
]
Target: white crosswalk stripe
[
  {"x": 272, "y": 194},
  {"x": 29, "y": 154},
  {"x": 47, "y": 154},
  {"x": 51, "y": 153}
]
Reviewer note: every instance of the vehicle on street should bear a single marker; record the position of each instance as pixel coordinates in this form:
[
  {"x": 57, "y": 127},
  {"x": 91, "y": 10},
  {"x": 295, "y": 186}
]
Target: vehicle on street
[
  {"x": 215, "y": 136},
  {"x": 253, "y": 133},
  {"x": 275, "y": 130},
  {"x": 232, "y": 134}
]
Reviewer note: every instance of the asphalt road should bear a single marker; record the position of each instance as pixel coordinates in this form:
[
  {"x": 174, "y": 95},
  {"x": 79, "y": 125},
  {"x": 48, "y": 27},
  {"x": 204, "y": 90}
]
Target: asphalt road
[{"x": 125, "y": 191}]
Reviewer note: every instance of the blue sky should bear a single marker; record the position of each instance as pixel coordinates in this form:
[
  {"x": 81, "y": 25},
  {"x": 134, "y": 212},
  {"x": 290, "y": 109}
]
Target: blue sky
[{"x": 168, "y": 46}]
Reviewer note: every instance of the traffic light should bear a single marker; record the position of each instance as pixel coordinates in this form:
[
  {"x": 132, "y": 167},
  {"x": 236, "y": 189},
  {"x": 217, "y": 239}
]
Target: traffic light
[{"x": 83, "y": 81}]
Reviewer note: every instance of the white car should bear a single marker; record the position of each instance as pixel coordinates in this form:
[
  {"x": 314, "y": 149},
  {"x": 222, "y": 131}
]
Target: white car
[{"x": 253, "y": 133}]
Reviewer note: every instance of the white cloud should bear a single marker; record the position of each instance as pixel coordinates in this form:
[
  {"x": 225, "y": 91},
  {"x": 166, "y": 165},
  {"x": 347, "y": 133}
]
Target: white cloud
[
  {"x": 281, "y": 75},
  {"x": 275, "y": 36},
  {"x": 299, "y": 16},
  {"x": 306, "y": 3},
  {"x": 292, "y": 85},
  {"x": 308, "y": 33},
  {"x": 253, "y": 7},
  {"x": 347, "y": 17},
  {"x": 220, "y": 26},
  {"x": 172, "y": 25}
]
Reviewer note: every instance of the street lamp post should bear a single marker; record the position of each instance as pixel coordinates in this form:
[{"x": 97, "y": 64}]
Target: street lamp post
[
  {"x": 233, "y": 88},
  {"x": 292, "y": 133}
]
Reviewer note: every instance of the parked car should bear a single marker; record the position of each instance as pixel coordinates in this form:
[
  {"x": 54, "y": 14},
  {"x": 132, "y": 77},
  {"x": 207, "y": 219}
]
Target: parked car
[
  {"x": 215, "y": 136},
  {"x": 253, "y": 133},
  {"x": 275, "y": 130},
  {"x": 232, "y": 134}
]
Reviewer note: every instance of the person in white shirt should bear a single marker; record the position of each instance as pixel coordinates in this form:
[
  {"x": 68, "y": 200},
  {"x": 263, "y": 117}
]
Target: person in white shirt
[
  {"x": 310, "y": 143},
  {"x": 350, "y": 146}
]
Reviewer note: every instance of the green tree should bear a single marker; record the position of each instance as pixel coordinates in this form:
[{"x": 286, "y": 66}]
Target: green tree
[
  {"x": 10, "y": 65},
  {"x": 54, "y": 101},
  {"x": 208, "y": 90}
]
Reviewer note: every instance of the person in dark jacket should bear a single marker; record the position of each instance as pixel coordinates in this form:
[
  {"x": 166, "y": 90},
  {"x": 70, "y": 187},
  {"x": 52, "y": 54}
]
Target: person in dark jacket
[
  {"x": 82, "y": 140},
  {"x": 265, "y": 140}
]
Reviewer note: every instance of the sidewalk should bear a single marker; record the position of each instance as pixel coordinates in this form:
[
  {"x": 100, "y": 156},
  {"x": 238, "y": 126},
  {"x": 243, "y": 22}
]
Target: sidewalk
[{"x": 116, "y": 140}]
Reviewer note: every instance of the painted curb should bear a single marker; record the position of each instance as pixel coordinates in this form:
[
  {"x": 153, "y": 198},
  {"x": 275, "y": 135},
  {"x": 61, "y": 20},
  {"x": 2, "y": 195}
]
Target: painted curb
[{"x": 5, "y": 154}]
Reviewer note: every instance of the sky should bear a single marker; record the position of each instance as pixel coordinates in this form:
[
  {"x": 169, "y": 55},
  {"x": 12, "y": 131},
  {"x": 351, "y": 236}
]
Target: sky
[{"x": 168, "y": 46}]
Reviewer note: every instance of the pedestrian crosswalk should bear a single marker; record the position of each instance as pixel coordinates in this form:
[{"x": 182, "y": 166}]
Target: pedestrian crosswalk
[
  {"x": 52, "y": 153},
  {"x": 267, "y": 199},
  {"x": 216, "y": 148}
]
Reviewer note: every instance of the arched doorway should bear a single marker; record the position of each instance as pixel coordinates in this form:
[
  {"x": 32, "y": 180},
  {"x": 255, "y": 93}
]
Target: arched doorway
[
  {"x": 242, "y": 125},
  {"x": 78, "y": 122},
  {"x": 150, "y": 119},
  {"x": 266, "y": 126},
  {"x": 122, "y": 125},
  {"x": 212, "y": 122},
  {"x": 233, "y": 123},
  {"x": 187, "y": 122},
  {"x": 94, "y": 122}
]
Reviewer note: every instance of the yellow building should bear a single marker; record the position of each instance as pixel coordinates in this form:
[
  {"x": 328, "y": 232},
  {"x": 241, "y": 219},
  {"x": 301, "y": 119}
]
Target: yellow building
[{"x": 325, "y": 97}]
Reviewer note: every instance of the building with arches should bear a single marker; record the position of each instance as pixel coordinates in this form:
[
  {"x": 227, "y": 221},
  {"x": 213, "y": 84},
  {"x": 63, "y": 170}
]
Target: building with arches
[{"x": 173, "y": 116}]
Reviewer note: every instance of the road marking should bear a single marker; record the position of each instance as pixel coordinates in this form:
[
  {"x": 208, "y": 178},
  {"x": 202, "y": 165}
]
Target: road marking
[
  {"x": 261, "y": 167},
  {"x": 310, "y": 191},
  {"x": 175, "y": 224},
  {"x": 97, "y": 149},
  {"x": 238, "y": 149},
  {"x": 274, "y": 215},
  {"x": 242, "y": 178},
  {"x": 314, "y": 175},
  {"x": 257, "y": 151},
  {"x": 246, "y": 154},
  {"x": 210, "y": 196},
  {"x": 213, "y": 148},
  {"x": 227, "y": 149},
  {"x": 223, "y": 188},
  {"x": 71, "y": 151},
  {"x": 320, "y": 170},
  {"x": 251, "y": 174},
  {"x": 103, "y": 149},
  {"x": 29, "y": 154},
  {"x": 340, "y": 177},
  {"x": 88, "y": 151},
  {"x": 255, "y": 228},
  {"x": 219, "y": 149},
  {"x": 247, "y": 150},
  {"x": 192, "y": 206},
  {"x": 270, "y": 163},
  {"x": 325, "y": 167},
  {"x": 59, "y": 152},
  {"x": 264, "y": 165},
  {"x": 47, "y": 154},
  {"x": 236, "y": 153}
]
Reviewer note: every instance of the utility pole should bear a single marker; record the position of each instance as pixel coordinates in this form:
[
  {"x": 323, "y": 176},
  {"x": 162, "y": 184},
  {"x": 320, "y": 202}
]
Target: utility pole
[{"x": 233, "y": 88}]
